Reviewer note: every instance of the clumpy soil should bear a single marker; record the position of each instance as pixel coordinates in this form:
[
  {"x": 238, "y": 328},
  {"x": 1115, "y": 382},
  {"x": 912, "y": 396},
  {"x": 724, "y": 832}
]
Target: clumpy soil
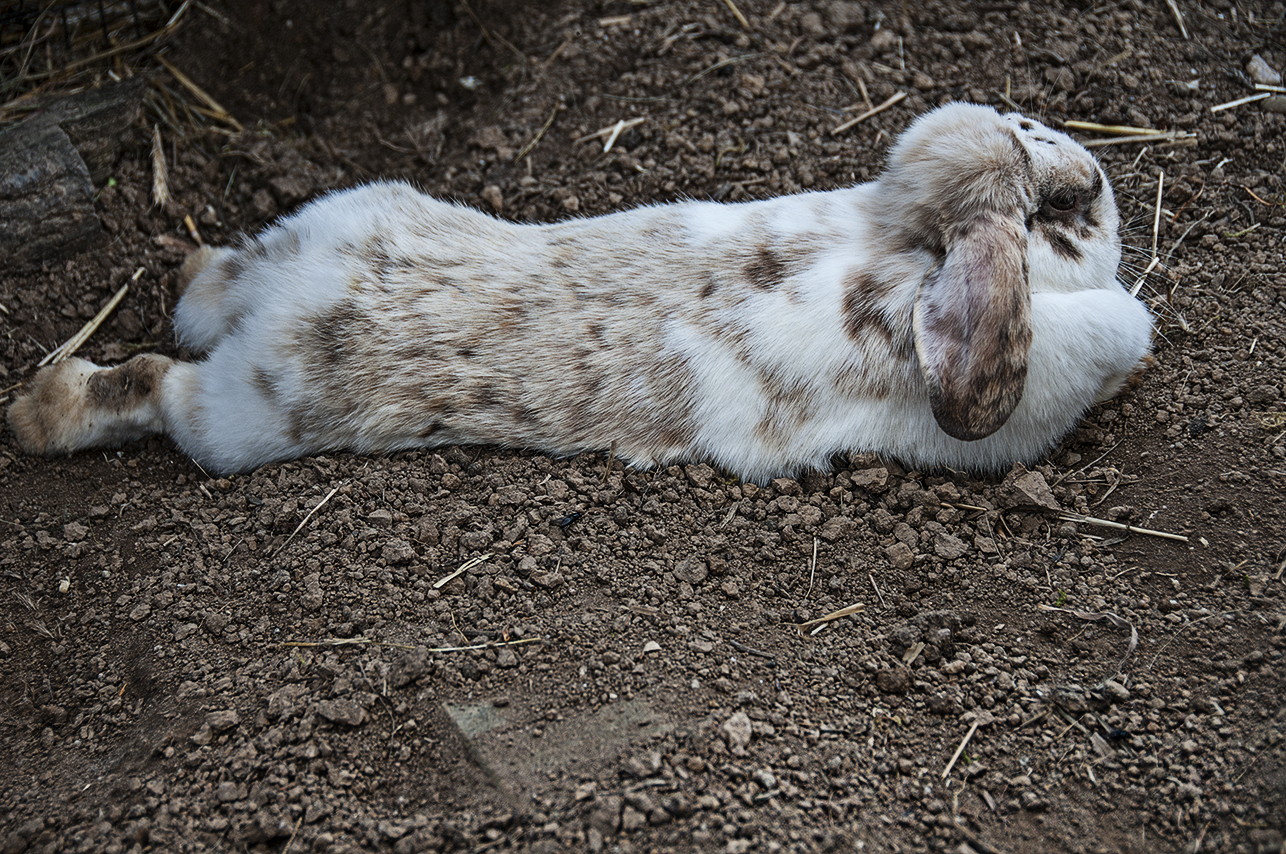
[{"x": 482, "y": 650}]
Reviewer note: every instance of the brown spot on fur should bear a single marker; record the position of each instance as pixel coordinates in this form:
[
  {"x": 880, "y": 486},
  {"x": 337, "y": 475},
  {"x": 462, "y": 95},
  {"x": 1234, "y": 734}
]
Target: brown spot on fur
[
  {"x": 1062, "y": 246},
  {"x": 863, "y": 292},
  {"x": 766, "y": 271},
  {"x": 126, "y": 386},
  {"x": 708, "y": 289},
  {"x": 264, "y": 382}
]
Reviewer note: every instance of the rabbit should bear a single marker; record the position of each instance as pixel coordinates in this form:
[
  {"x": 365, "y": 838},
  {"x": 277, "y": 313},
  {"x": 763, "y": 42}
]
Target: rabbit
[{"x": 960, "y": 311}]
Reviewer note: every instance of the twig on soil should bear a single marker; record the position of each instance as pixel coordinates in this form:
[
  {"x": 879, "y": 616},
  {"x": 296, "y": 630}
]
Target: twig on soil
[
  {"x": 723, "y": 63},
  {"x": 217, "y": 111},
  {"x": 1156, "y": 216},
  {"x": 291, "y": 841},
  {"x": 1116, "y": 620},
  {"x": 1117, "y": 129},
  {"x": 309, "y": 515},
  {"x": 191, "y": 226},
  {"x": 407, "y": 646},
  {"x": 750, "y": 650},
  {"x": 855, "y": 608},
  {"x": 467, "y": 565},
  {"x": 160, "y": 175},
  {"x": 959, "y": 750},
  {"x": 1104, "y": 523},
  {"x": 1228, "y": 105},
  {"x": 1138, "y": 285},
  {"x": 74, "y": 343},
  {"x": 878, "y": 594},
  {"x": 1196, "y": 843},
  {"x": 604, "y": 131},
  {"x": 812, "y": 570},
  {"x": 1176, "y": 137},
  {"x": 613, "y": 136},
  {"x": 888, "y": 102},
  {"x": 741, "y": 19},
  {"x": 526, "y": 149},
  {"x": 1178, "y": 17}
]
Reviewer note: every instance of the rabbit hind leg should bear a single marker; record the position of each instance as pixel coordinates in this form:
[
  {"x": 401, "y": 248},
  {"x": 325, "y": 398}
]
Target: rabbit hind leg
[
  {"x": 75, "y": 405},
  {"x": 206, "y": 311}
]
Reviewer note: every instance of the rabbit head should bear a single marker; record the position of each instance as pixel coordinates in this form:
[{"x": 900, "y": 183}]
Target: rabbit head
[{"x": 1006, "y": 207}]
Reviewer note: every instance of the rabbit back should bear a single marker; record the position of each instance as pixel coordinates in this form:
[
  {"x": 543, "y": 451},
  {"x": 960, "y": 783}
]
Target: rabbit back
[{"x": 381, "y": 318}]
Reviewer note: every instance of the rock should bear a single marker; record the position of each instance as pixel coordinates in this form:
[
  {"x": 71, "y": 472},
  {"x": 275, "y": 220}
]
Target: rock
[
  {"x": 548, "y": 580},
  {"x": 787, "y": 486},
  {"x": 900, "y": 556},
  {"x": 74, "y": 532},
  {"x": 692, "y": 570},
  {"x": 949, "y": 546},
  {"x": 1261, "y": 72},
  {"x": 893, "y": 680},
  {"x": 737, "y": 731},
  {"x": 344, "y": 711},
  {"x": 845, "y": 16},
  {"x": 312, "y": 598},
  {"x": 606, "y": 816},
  {"x": 700, "y": 475},
  {"x": 228, "y": 791},
  {"x": 1117, "y": 692},
  {"x": 493, "y": 197},
  {"x": 1022, "y": 488},
  {"x": 411, "y": 666},
  {"x": 836, "y": 528},
  {"x": 284, "y": 699},
  {"x": 506, "y": 658},
  {"x": 223, "y": 719},
  {"x": 398, "y": 552}
]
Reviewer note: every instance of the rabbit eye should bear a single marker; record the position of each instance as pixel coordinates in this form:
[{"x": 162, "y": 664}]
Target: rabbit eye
[{"x": 1062, "y": 202}]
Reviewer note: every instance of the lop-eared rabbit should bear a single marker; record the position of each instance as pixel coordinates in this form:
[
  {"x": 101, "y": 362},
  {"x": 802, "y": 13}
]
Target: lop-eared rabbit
[{"x": 962, "y": 310}]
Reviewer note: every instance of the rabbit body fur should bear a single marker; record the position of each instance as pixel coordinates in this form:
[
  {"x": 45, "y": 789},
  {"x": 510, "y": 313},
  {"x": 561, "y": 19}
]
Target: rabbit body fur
[{"x": 961, "y": 311}]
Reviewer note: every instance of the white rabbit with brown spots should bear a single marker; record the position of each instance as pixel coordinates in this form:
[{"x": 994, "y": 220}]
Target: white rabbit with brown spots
[{"x": 962, "y": 310}]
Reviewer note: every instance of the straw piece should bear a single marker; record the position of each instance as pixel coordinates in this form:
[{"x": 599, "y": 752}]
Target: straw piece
[
  {"x": 304, "y": 521},
  {"x": 407, "y": 646},
  {"x": 959, "y": 750},
  {"x": 741, "y": 19},
  {"x": 71, "y": 345},
  {"x": 186, "y": 82},
  {"x": 1227, "y": 105},
  {"x": 160, "y": 175},
  {"x": 611, "y": 138},
  {"x": 855, "y": 608},
  {"x": 893, "y": 99},
  {"x": 604, "y": 131},
  {"x": 469, "y": 564},
  {"x": 1098, "y": 128},
  {"x": 1168, "y": 136},
  {"x": 1104, "y": 523},
  {"x": 1178, "y": 17},
  {"x": 526, "y": 149}
]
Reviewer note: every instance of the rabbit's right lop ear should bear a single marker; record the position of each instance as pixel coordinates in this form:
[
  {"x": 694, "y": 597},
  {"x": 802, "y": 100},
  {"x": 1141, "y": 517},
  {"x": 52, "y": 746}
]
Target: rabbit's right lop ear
[{"x": 972, "y": 322}]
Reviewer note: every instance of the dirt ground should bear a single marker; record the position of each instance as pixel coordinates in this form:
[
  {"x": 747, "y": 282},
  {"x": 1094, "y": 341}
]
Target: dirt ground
[{"x": 292, "y": 661}]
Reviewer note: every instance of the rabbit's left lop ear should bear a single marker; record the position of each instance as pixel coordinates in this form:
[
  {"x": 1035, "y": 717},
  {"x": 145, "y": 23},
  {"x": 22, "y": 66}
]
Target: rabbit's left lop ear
[{"x": 972, "y": 322}]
